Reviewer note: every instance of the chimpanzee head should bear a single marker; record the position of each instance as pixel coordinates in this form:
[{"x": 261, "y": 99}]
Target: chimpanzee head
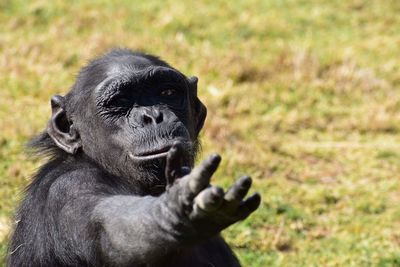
[{"x": 125, "y": 111}]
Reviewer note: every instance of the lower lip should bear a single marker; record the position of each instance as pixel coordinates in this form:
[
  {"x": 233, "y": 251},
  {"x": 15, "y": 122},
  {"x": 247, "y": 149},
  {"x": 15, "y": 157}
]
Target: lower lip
[{"x": 148, "y": 157}]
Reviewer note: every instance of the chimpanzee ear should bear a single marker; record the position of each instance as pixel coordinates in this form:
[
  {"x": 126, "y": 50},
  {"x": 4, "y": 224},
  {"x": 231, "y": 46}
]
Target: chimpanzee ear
[
  {"x": 201, "y": 114},
  {"x": 60, "y": 129},
  {"x": 200, "y": 110}
]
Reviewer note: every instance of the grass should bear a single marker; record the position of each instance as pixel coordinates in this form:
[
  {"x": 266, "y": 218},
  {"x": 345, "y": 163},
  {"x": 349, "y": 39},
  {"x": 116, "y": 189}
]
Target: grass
[{"x": 302, "y": 95}]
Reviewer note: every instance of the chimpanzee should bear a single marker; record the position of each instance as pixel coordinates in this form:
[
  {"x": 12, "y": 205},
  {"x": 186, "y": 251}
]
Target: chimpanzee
[{"x": 119, "y": 187}]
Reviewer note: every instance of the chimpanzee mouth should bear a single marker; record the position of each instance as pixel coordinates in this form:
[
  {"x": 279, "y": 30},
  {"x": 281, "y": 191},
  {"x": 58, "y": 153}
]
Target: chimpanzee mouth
[{"x": 151, "y": 154}]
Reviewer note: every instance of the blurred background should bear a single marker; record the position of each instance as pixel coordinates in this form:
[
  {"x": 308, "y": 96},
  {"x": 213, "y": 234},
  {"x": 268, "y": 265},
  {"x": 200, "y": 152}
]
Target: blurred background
[{"x": 302, "y": 95}]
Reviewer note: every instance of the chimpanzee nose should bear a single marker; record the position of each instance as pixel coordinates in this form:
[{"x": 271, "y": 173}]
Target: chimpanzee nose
[{"x": 152, "y": 116}]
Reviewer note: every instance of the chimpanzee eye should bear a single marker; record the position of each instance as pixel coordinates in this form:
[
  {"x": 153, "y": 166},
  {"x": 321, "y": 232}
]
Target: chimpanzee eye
[
  {"x": 121, "y": 101},
  {"x": 168, "y": 92}
]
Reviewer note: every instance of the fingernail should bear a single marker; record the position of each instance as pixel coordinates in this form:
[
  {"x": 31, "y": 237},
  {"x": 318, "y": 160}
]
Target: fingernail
[
  {"x": 246, "y": 181},
  {"x": 217, "y": 191},
  {"x": 215, "y": 157}
]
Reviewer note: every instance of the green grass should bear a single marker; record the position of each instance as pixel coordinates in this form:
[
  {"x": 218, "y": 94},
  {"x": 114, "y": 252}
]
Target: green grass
[{"x": 302, "y": 95}]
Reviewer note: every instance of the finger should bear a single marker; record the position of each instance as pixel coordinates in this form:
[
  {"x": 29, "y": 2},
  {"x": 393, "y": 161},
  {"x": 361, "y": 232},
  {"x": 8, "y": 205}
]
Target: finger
[
  {"x": 249, "y": 206},
  {"x": 210, "y": 199},
  {"x": 174, "y": 163},
  {"x": 200, "y": 176},
  {"x": 239, "y": 190}
]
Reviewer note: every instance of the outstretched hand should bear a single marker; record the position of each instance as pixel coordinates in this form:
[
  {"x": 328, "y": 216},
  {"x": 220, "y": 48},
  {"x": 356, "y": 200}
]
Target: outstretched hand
[{"x": 208, "y": 208}]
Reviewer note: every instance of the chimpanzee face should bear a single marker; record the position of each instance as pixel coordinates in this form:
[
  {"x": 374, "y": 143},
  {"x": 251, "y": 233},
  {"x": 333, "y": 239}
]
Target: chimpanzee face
[{"x": 128, "y": 111}]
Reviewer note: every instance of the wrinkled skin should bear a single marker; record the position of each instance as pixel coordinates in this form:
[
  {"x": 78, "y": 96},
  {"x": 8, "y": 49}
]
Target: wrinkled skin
[{"x": 121, "y": 188}]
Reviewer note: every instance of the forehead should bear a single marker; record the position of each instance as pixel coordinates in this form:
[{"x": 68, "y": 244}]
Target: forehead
[
  {"x": 135, "y": 71},
  {"x": 128, "y": 64}
]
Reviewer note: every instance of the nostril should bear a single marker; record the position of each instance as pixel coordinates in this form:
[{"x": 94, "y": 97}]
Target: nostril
[
  {"x": 152, "y": 116},
  {"x": 146, "y": 119},
  {"x": 159, "y": 117}
]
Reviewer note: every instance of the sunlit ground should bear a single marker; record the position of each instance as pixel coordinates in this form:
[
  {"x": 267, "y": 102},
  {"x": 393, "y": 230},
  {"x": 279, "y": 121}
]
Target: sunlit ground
[{"x": 302, "y": 95}]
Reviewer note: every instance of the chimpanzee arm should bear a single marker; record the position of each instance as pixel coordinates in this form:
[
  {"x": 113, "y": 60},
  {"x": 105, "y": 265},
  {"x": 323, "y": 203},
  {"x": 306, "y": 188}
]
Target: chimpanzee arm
[
  {"x": 92, "y": 222},
  {"x": 144, "y": 229},
  {"x": 134, "y": 229}
]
